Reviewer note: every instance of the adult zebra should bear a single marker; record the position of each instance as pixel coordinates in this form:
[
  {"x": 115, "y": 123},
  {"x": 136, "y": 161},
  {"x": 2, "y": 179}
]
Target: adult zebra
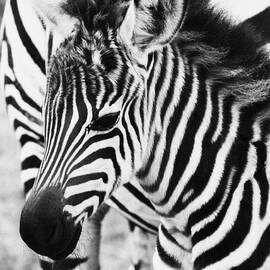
[
  {"x": 168, "y": 92},
  {"x": 28, "y": 42}
]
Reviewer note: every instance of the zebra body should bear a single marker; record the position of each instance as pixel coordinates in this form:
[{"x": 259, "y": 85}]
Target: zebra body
[{"x": 167, "y": 94}]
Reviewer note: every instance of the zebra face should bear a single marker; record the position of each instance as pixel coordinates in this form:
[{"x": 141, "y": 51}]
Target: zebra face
[
  {"x": 91, "y": 86},
  {"x": 92, "y": 90}
]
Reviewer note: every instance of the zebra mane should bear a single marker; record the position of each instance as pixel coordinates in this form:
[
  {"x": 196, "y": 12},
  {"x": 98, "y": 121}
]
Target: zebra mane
[
  {"x": 232, "y": 54},
  {"x": 97, "y": 14}
]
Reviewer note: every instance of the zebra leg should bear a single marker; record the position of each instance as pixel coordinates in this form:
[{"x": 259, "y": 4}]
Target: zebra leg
[{"x": 141, "y": 247}]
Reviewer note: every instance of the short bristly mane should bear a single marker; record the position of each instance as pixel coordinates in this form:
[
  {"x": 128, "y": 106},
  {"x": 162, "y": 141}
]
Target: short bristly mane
[
  {"x": 97, "y": 14},
  {"x": 232, "y": 54}
]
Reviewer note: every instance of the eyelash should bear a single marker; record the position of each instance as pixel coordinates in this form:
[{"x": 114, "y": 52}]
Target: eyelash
[{"x": 104, "y": 123}]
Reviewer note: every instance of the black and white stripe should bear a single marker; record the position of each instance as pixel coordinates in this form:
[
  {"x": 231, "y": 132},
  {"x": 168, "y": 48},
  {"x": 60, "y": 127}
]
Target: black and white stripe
[{"x": 192, "y": 128}]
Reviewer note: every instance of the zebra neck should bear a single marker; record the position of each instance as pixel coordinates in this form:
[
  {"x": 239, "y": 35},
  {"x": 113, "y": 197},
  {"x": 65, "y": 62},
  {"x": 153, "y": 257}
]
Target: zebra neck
[{"x": 190, "y": 122}]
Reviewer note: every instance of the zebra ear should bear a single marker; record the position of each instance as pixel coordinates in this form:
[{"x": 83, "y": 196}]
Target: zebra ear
[
  {"x": 127, "y": 26},
  {"x": 157, "y": 22}
]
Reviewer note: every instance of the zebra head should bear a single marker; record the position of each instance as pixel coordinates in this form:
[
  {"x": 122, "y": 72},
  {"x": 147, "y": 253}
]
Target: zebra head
[{"x": 95, "y": 121}]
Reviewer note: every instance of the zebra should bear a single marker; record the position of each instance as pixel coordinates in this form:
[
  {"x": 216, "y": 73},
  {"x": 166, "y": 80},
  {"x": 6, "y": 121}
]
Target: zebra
[
  {"x": 171, "y": 95},
  {"x": 28, "y": 42},
  {"x": 214, "y": 110}
]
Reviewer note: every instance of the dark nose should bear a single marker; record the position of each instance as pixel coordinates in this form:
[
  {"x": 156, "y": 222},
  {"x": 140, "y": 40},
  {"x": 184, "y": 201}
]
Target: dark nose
[{"x": 45, "y": 228}]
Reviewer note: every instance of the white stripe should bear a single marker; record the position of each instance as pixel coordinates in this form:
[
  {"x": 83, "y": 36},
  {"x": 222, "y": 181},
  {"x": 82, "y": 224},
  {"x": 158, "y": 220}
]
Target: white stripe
[
  {"x": 28, "y": 174},
  {"x": 220, "y": 119},
  {"x": 257, "y": 132},
  {"x": 20, "y": 131},
  {"x": 31, "y": 148}
]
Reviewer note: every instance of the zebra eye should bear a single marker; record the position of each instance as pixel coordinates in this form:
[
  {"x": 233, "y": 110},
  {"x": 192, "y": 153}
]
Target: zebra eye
[{"x": 104, "y": 123}]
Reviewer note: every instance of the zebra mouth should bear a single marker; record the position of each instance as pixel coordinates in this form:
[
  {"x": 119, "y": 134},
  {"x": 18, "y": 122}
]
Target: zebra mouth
[{"x": 69, "y": 248}]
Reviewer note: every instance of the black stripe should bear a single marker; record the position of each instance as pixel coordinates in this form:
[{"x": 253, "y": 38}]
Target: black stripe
[
  {"x": 131, "y": 114},
  {"x": 159, "y": 85},
  {"x": 26, "y": 40},
  {"x": 31, "y": 162},
  {"x": 25, "y": 138},
  {"x": 150, "y": 227},
  {"x": 9, "y": 53},
  {"x": 261, "y": 177},
  {"x": 74, "y": 181},
  {"x": 121, "y": 84},
  {"x": 128, "y": 136},
  {"x": 172, "y": 87},
  {"x": 81, "y": 197},
  {"x": 142, "y": 103},
  {"x": 139, "y": 195},
  {"x": 28, "y": 185},
  {"x": 50, "y": 46}
]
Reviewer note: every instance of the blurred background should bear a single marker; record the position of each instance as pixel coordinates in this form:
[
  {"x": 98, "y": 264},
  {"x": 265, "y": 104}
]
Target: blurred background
[{"x": 14, "y": 255}]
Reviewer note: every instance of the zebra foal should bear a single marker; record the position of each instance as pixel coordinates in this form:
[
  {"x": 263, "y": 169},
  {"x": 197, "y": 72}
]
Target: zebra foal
[
  {"x": 28, "y": 41},
  {"x": 173, "y": 96}
]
